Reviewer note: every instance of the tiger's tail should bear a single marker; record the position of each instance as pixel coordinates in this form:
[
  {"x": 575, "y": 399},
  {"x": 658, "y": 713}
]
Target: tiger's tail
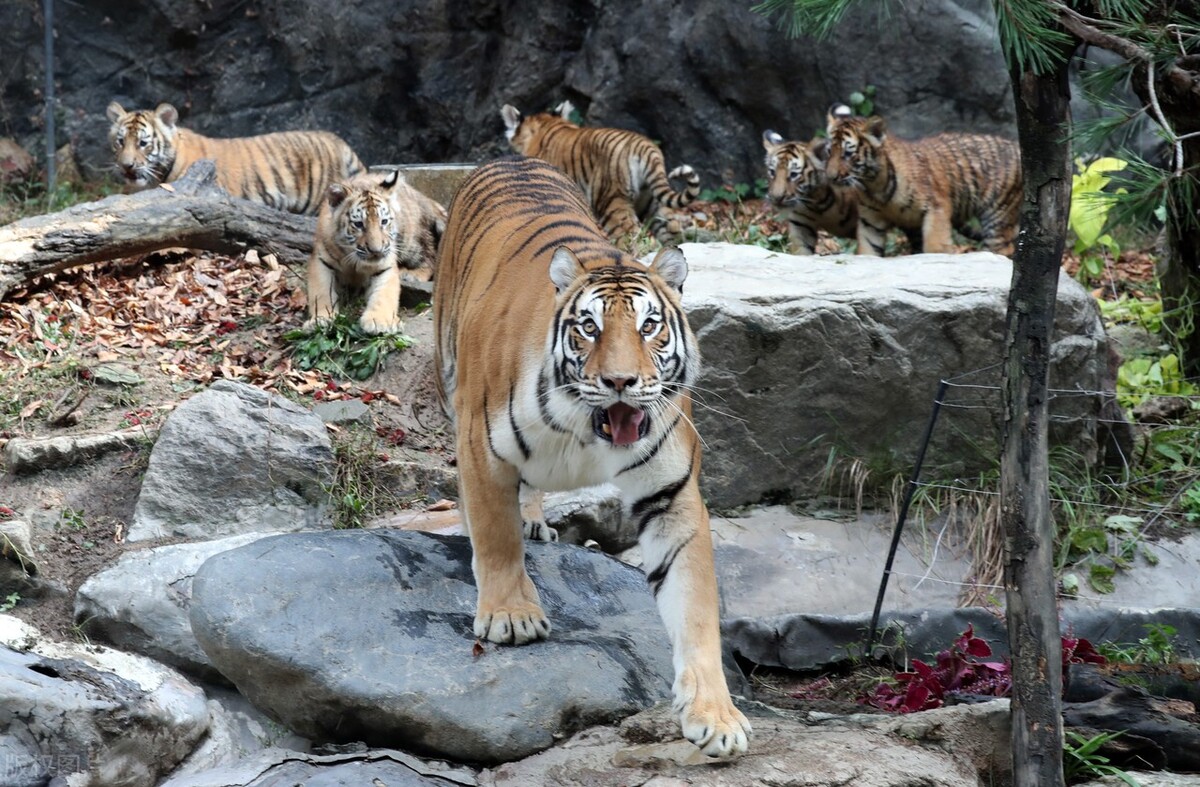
[{"x": 668, "y": 196}]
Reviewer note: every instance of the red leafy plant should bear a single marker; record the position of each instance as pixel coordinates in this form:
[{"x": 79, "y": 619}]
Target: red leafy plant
[{"x": 958, "y": 671}]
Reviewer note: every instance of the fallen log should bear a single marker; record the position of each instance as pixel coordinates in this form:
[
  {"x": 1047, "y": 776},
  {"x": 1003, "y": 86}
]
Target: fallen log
[{"x": 192, "y": 212}]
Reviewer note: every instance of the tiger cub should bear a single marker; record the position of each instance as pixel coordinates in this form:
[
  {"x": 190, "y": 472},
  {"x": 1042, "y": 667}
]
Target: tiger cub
[
  {"x": 565, "y": 362},
  {"x": 288, "y": 170},
  {"x": 621, "y": 172},
  {"x": 369, "y": 228},
  {"x": 798, "y": 186},
  {"x": 931, "y": 184}
]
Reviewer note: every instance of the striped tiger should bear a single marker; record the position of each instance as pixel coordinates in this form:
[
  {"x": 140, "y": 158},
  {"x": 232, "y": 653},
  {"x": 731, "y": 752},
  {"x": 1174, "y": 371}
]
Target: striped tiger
[
  {"x": 797, "y": 185},
  {"x": 288, "y": 170},
  {"x": 621, "y": 172},
  {"x": 565, "y": 362},
  {"x": 931, "y": 184},
  {"x": 370, "y": 227}
]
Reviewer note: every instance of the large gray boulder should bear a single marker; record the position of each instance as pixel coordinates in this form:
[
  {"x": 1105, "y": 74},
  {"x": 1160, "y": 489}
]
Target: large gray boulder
[
  {"x": 285, "y": 768},
  {"x": 235, "y": 459},
  {"x": 366, "y": 635},
  {"x": 808, "y": 359},
  {"x": 109, "y": 718}
]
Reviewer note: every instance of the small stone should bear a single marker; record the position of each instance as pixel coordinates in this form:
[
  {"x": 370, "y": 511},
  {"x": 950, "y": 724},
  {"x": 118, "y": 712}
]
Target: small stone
[
  {"x": 343, "y": 411},
  {"x": 116, "y": 374}
]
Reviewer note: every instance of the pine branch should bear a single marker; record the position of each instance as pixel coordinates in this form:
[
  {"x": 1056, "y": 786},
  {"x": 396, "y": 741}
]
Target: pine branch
[{"x": 1085, "y": 29}]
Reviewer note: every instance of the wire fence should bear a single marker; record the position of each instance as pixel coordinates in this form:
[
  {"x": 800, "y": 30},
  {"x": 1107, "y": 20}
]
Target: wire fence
[{"x": 1125, "y": 468}]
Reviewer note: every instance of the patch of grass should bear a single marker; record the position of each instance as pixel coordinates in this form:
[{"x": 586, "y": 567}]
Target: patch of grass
[
  {"x": 360, "y": 490},
  {"x": 1082, "y": 759},
  {"x": 1157, "y": 648},
  {"x": 342, "y": 349},
  {"x": 27, "y": 198}
]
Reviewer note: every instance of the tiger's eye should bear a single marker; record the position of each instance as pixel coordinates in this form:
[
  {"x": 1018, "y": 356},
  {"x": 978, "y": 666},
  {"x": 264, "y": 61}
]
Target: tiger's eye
[
  {"x": 589, "y": 327},
  {"x": 649, "y": 327}
]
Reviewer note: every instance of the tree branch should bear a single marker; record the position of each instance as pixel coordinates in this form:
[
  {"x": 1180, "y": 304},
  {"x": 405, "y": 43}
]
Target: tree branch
[{"x": 192, "y": 212}]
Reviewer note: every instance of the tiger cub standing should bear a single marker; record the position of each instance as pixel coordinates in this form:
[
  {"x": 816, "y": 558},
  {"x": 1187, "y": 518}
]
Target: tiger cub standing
[
  {"x": 931, "y": 184},
  {"x": 798, "y": 186},
  {"x": 369, "y": 228},
  {"x": 565, "y": 362},
  {"x": 621, "y": 172},
  {"x": 288, "y": 170}
]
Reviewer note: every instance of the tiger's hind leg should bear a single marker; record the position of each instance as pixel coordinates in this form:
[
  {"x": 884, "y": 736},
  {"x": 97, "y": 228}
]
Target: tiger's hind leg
[
  {"x": 508, "y": 609},
  {"x": 677, "y": 554},
  {"x": 322, "y": 293},
  {"x": 533, "y": 517},
  {"x": 999, "y": 234}
]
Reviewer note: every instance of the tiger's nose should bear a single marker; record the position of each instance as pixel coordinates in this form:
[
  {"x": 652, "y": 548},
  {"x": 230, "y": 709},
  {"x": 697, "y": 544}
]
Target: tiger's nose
[{"x": 617, "y": 382}]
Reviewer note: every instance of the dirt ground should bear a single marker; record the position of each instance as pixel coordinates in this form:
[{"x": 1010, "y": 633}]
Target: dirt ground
[{"x": 118, "y": 345}]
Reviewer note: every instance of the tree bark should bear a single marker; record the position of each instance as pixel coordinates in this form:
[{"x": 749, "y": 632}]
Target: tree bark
[
  {"x": 194, "y": 212},
  {"x": 1043, "y": 118}
]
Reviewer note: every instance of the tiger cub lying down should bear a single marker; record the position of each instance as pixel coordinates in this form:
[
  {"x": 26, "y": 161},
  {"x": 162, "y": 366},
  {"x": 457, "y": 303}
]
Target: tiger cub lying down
[
  {"x": 370, "y": 228},
  {"x": 565, "y": 363},
  {"x": 927, "y": 185},
  {"x": 289, "y": 170},
  {"x": 621, "y": 172},
  {"x": 796, "y": 184}
]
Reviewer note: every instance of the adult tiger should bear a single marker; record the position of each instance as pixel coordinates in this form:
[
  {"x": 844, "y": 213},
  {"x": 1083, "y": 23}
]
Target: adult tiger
[
  {"x": 930, "y": 184},
  {"x": 371, "y": 227},
  {"x": 796, "y": 183},
  {"x": 566, "y": 362},
  {"x": 621, "y": 172},
  {"x": 289, "y": 170}
]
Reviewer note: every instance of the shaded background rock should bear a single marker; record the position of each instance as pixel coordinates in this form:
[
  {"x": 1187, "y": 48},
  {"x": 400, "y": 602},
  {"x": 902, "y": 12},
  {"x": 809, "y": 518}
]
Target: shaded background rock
[
  {"x": 366, "y": 636},
  {"x": 423, "y": 81}
]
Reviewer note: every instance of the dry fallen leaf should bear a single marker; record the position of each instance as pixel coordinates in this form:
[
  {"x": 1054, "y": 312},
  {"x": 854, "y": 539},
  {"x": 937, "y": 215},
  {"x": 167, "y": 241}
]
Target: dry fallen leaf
[{"x": 442, "y": 505}]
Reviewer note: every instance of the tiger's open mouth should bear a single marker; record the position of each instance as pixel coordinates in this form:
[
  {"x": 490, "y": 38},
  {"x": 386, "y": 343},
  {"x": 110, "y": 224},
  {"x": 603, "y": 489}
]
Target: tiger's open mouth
[{"x": 620, "y": 424}]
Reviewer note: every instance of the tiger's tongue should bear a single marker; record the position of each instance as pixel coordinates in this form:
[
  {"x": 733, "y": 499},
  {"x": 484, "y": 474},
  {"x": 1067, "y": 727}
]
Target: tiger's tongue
[{"x": 624, "y": 421}]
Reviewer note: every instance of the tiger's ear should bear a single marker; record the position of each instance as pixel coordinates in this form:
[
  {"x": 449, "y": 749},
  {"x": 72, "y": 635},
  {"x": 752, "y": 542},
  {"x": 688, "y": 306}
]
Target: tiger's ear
[
  {"x": 876, "y": 129},
  {"x": 564, "y": 269},
  {"x": 336, "y": 194},
  {"x": 391, "y": 180},
  {"x": 168, "y": 114},
  {"x": 819, "y": 150},
  {"x": 115, "y": 112},
  {"x": 771, "y": 140},
  {"x": 671, "y": 266},
  {"x": 512, "y": 119},
  {"x": 836, "y": 114}
]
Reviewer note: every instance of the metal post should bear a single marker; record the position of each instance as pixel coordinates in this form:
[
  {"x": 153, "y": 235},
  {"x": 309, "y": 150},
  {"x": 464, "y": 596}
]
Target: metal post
[
  {"x": 51, "y": 147},
  {"x": 903, "y": 515}
]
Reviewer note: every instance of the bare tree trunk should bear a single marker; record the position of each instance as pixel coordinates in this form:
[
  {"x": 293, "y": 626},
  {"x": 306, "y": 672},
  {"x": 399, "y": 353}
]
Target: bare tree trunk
[
  {"x": 193, "y": 212},
  {"x": 1043, "y": 118}
]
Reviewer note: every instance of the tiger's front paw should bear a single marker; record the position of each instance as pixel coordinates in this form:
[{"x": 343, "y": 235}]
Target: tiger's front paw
[
  {"x": 512, "y": 624},
  {"x": 718, "y": 728},
  {"x": 537, "y": 530},
  {"x": 380, "y": 323}
]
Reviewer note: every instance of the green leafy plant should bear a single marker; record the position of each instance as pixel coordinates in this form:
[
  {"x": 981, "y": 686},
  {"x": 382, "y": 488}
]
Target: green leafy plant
[
  {"x": 728, "y": 192},
  {"x": 1144, "y": 312},
  {"x": 10, "y": 602},
  {"x": 1089, "y": 212},
  {"x": 1082, "y": 758},
  {"x": 342, "y": 349},
  {"x": 1139, "y": 379},
  {"x": 73, "y": 518},
  {"x": 361, "y": 489},
  {"x": 863, "y": 101}
]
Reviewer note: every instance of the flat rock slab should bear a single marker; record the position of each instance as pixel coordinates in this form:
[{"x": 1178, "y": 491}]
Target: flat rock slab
[
  {"x": 285, "y": 768},
  {"x": 366, "y": 636},
  {"x": 949, "y": 747}
]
